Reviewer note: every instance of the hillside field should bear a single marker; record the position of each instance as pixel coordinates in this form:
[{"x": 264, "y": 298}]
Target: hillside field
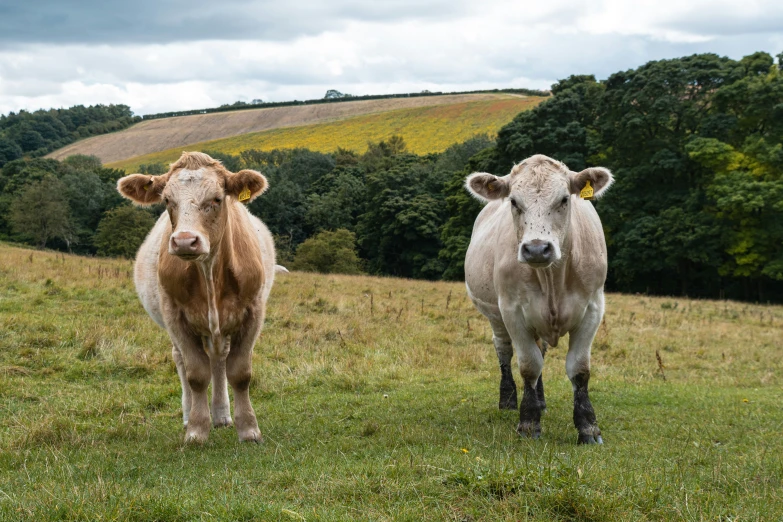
[
  {"x": 377, "y": 399},
  {"x": 425, "y": 129},
  {"x": 161, "y": 134}
]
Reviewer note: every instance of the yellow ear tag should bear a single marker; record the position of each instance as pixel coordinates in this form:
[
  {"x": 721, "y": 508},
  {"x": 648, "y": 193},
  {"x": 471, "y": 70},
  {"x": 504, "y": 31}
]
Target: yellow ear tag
[
  {"x": 244, "y": 195},
  {"x": 587, "y": 192}
]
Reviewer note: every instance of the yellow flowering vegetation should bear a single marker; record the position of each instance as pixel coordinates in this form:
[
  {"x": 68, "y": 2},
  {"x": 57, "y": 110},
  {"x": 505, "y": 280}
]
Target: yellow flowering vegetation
[{"x": 425, "y": 130}]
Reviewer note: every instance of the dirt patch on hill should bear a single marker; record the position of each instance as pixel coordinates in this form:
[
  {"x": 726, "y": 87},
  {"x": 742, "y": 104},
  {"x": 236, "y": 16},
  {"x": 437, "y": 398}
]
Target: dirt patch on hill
[{"x": 166, "y": 133}]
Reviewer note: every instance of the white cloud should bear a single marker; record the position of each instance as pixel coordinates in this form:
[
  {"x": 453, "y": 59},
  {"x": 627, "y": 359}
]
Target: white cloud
[{"x": 365, "y": 48}]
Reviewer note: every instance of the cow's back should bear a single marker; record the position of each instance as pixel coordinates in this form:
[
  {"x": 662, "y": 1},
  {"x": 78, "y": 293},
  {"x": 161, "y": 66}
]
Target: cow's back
[{"x": 267, "y": 245}]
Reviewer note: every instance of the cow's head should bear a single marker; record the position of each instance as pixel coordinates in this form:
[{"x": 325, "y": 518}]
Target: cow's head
[
  {"x": 195, "y": 190},
  {"x": 539, "y": 193}
]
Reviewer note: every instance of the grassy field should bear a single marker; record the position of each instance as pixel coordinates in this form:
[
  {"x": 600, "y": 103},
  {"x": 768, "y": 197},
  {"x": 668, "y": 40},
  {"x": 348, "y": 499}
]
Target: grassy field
[
  {"x": 425, "y": 129},
  {"x": 377, "y": 399},
  {"x": 160, "y": 134}
]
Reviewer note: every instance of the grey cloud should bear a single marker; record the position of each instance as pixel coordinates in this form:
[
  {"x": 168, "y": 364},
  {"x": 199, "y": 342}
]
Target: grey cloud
[{"x": 155, "y": 21}]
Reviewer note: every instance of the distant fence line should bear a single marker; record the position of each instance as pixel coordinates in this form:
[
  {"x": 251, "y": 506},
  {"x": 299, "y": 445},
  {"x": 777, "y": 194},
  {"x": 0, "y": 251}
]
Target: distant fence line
[{"x": 266, "y": 105}]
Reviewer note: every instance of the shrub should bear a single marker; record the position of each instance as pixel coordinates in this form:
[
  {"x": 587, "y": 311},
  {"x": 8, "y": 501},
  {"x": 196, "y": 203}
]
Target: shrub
[
  {"x": 122, "y": 231},
  {"x": 331, "y": 252}
]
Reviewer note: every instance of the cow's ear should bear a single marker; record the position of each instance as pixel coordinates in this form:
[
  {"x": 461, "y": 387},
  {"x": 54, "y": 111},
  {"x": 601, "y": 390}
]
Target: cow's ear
[
  {"x": 600, "y": 180},
  {"x": 246, "y": 185},
  {"x": 486, "y": 187},
  {"x": 142, "y": 189}
]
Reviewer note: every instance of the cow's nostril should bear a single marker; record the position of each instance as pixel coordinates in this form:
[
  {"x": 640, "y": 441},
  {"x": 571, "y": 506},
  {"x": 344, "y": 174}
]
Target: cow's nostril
[
  {"x": 537, "y": 251},
  {"x": 185, "y": 242}
]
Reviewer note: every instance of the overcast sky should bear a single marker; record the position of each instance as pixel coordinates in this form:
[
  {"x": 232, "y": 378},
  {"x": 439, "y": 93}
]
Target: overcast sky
[{"x": 159, "y": 55}]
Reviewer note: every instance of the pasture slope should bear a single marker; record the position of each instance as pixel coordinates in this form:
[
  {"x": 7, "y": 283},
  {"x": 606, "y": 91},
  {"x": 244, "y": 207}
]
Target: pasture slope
[
  {"x": 377, "y": 399},
  {"x": 157, "y": 135},
  {"x": 425, "y": 129}
]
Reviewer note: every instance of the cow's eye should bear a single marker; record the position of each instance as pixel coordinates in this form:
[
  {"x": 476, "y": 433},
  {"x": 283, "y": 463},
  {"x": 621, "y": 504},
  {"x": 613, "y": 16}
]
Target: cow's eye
[
  {"x": 514, "y": 204},
  {"x": 218, "y": 201},
  {"x": 166, "y": 201},
  {"x": 564, "y": 200}
]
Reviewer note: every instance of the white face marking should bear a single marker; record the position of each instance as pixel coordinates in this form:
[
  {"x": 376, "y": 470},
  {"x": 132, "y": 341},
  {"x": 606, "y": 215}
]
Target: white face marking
[
  {"x": 187, "y": 176},
  {"x": 540, "y": 213}
]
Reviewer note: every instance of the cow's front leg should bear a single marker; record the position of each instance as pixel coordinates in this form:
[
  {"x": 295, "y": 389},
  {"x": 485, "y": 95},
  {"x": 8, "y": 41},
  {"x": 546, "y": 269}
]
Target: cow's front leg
[
  {"x": 504, "y": 350},
  {"x": 531, "y": 363},
  {"x": 197, "y": 375},
  {"x": 239, "y": 366},
  {"x": 578, "y": 370},
  {"x": 221, "y": 407}
]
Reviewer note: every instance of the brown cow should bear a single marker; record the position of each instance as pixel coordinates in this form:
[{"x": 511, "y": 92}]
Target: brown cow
[{"x": 204, "y": 274}]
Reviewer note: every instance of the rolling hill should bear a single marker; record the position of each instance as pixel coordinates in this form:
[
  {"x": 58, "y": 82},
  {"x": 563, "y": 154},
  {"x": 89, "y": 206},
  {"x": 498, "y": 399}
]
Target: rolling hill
[
  {"x": 425, "y": 129},
  {"x": 159, "y": 135},
  {"x": 429, "y": 124}
]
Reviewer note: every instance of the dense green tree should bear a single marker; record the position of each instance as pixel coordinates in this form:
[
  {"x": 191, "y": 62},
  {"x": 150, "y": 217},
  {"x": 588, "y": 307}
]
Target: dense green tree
[
  {"x": 40, "y": 212},
  {"x": 122, "y": 231},
  {"x": 400, "y": 231},
  {"x": 663, "y": 233},
  {"x": 9, "y": 151},
  {"x": 462, "y": 210},
  {"x": 561, "y": 127},
  {"x": 39, "y": 132},
  {"x": 336, "y": 200},
  {"x": 290, "y": 174},
  {"x": 329, "y": 252}
]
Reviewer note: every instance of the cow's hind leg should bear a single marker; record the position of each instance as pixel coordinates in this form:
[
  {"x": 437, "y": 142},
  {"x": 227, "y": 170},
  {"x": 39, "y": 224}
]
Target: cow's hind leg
[
  {"x": 239, "y": 368},
  {"x": 578, "y": 370},
  {"x": 504, "y": 350},
  {"x": 183, "y": 379}
]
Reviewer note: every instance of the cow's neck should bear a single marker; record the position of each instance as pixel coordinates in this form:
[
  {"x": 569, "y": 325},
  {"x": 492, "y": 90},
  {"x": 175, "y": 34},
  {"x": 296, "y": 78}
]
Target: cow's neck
[
  {"x": 216, "y": 342},
  {"x": 213, "y": 270}
]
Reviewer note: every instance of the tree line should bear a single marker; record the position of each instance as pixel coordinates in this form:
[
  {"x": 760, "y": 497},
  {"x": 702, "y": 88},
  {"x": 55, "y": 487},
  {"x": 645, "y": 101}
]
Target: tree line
[
  {"x": 695, "y": 144},
  {"x": 34, "y": 134},
  {"x": 331, "y": 98}
]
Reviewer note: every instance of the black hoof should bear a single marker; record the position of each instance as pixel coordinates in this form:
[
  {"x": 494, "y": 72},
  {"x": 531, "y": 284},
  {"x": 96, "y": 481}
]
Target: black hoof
[
  {"x": 589, "y": 438},
  {"x": 529, "y": 430}
]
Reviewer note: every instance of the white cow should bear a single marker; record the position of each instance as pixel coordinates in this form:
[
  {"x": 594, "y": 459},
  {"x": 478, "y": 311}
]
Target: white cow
[{"x": 536, "y": 268}]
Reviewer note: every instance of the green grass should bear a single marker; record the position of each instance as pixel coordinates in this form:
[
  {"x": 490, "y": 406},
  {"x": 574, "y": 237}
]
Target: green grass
[
  {"x": 382, "y": 413},
  {"x": 425, "y": 129}
]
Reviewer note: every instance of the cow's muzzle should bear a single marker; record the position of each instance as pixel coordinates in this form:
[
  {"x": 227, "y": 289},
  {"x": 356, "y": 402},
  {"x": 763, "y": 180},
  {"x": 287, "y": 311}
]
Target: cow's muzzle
[
  {"x": 537, "y": 252},
  {"x": 187, "y": 245}
]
